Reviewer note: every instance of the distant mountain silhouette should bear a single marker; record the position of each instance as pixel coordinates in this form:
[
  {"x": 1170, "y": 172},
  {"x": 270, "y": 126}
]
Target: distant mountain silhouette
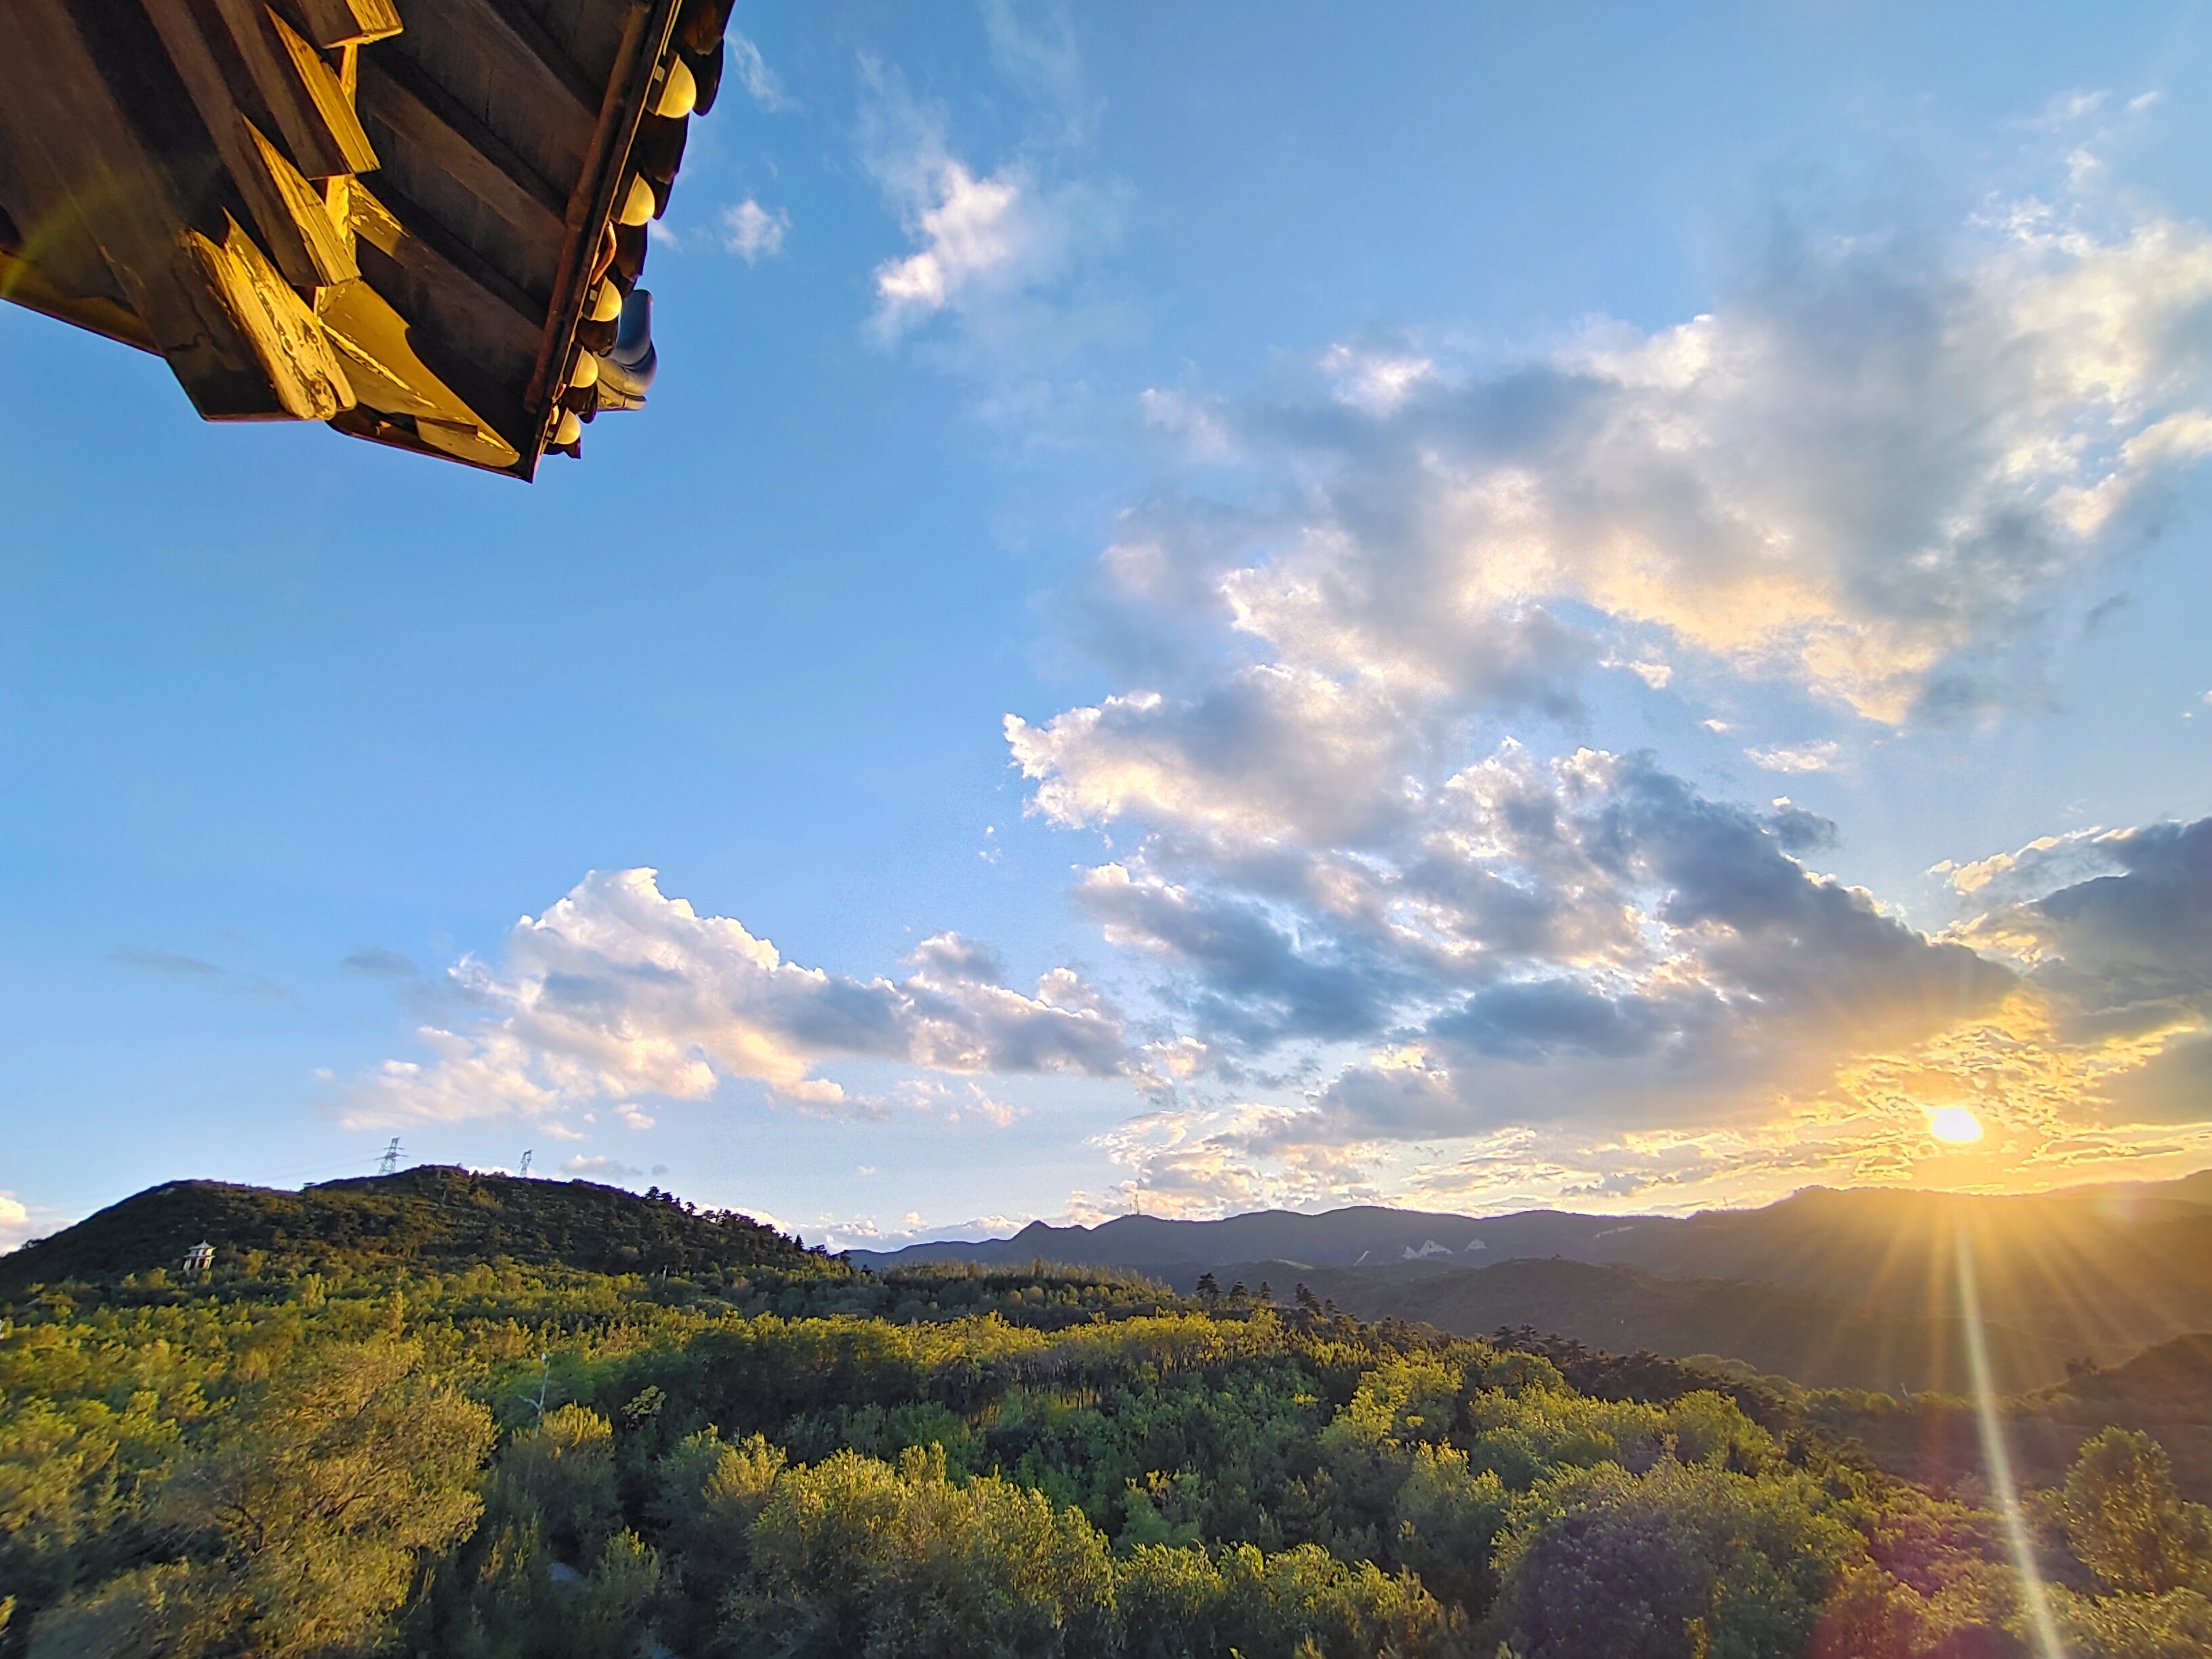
[
  {"x": 1367, "y": 1235},
  {"x": 1853, "y": 1289}
]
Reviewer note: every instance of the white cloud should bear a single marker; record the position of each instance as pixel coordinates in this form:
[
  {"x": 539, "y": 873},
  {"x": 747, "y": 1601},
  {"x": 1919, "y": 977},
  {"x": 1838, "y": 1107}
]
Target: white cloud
[
  {"x": 2045, "y": 862},
  {"x": 15, "y": 1222},
  {"x": 743, "y": 58},
  {"x": 600, "y": 1169},
  {"x": 979, "y": 236},
  {"x": 753, "y": 232},
  {"x": 634, "y": 1118},
  {"x": 993, "y": 250},
  {"x": 867, "y": 1233},
  {"x": 1861, "y": 472},
  {"x": 1583, "y": 935},
  {"x": 618, "y": 991},
  {"x": 1816, "y": 756},
  {"x": 954, "y": 1102},
  {"x": 1376, "y": 382}
]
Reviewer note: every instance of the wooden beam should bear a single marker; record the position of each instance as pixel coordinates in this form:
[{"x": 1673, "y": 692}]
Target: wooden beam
[
  {"x": 466, "y": 328},
  {"x": 299, "y": 234},
  {"x": 390, "y": 376},
  {"x": 22, "y": 283},
  {"x": 57, "y": 264},
  {"x": 421, "y": 228},
  {"x": 332, "y": 97},
  {"x": 296, "y": 355},
  {"x": 520, "y": 24},
  {"x": 269, "y": 179},
  {"x": 486, "y": 62},
  {"x": 334, "y": 23},
  {"x": 298, "y": 89},
  {"x": 439, "y": 131}
]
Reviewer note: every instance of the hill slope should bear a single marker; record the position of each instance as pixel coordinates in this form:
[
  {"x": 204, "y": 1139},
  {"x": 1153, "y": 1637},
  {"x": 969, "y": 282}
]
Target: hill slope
[
  {"x": 1812, "y": 1338},
  {"x": 432, "y": 1215},
  {"x": 2102, "y": 1279}
]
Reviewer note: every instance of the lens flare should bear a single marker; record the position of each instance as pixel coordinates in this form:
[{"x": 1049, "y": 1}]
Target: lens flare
[
  {"x": 1954, "y": 1124},
  {"x": 1998, "y": 1458}
]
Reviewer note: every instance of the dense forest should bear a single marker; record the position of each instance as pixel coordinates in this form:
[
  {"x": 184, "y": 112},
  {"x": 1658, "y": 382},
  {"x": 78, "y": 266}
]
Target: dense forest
[{"x": 349, "y": 1437}]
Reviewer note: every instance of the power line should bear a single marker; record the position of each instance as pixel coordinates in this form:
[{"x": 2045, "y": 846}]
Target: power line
[{"x": 389, "y": 1163}]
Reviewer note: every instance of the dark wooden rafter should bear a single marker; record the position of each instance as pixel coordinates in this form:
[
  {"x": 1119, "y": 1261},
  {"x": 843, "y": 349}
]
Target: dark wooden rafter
[
  {"x": 187, "y": 176},
  {"x": 178, "y": 258},
  {"x": 393, "y": 91},
  {"x": 525, "y": 33}
]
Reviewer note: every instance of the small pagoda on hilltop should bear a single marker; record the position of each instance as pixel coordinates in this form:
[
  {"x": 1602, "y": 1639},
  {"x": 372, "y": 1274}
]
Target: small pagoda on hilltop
[{"x": 421, "y": 221}]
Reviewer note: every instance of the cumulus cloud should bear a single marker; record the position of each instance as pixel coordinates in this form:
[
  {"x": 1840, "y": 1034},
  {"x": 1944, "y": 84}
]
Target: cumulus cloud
[
  {"x": 1382, "y": 878},
  {"x": 618, "y": 991},
  {"x": 1586, "y": 936},
  {"x": 981, "y": 238},
  {"x": 2120, "y": 943},
  {"x": 994, "y": 249},
  {"x": 954, "y": 1102},
  {"x": 15, "y": 1222},
  {"x": 753, "y": 232},
  {"x": 1376, "y": 382},
  {"x": 1862, "y": 472}
]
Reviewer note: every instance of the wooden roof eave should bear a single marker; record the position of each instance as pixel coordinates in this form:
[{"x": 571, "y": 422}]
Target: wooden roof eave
[
  {"x": 188, "y": 177},
  {"x": 647, "y": 29}
]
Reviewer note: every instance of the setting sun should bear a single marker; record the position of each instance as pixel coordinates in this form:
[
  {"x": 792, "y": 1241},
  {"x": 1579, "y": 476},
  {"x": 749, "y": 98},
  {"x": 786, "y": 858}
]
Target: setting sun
[{"x": 1955, "y": 1123}]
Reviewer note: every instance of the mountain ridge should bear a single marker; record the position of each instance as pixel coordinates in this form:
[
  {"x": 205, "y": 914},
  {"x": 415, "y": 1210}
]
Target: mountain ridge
[{"x": 1843, "y": 1287}]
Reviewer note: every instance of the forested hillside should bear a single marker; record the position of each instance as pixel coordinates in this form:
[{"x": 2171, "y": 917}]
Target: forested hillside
[
  {"x": 428, "y": 1215},
  {"x": 1814, "y": 1339},
  {"x": 389, "y": 1453}
]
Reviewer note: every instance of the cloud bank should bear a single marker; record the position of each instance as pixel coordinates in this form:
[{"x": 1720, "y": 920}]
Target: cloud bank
[
  {"x": 1392, "y": 895},
  {"x": 619, "y": 990},
  {"x": 1861, "y": 473},
  {"x": 1401, "y": 925}
]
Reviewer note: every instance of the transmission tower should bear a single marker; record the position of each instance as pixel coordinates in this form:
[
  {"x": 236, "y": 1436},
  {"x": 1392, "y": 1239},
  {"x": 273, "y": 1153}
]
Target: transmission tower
[
  {"x": 525, "y": 1165},
  {"x": 389, "y": 1163}
]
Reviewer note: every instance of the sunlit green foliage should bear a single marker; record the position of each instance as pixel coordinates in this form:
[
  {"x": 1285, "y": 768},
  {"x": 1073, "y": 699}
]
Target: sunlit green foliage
[
  {"x": 503, "y": 1459},
  {"x": 2127, "y": 1522}
]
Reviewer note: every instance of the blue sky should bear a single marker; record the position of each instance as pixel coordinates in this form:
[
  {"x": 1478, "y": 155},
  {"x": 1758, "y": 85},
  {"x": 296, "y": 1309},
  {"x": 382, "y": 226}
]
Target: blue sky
[{"x": 1214, "y": 606}]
